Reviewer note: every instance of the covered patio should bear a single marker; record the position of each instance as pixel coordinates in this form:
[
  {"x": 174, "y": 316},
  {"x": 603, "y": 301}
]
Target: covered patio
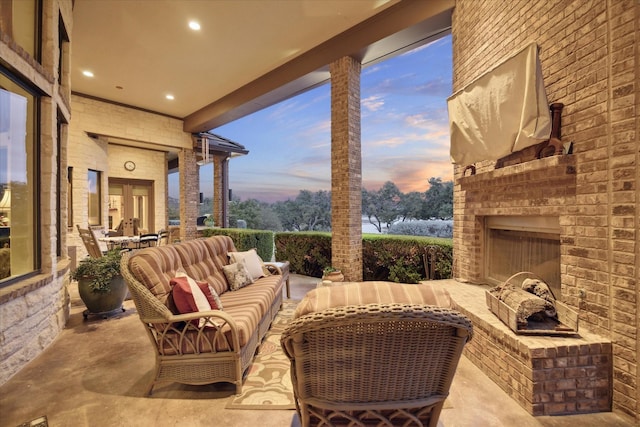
[{"x": 79, "y": 132}]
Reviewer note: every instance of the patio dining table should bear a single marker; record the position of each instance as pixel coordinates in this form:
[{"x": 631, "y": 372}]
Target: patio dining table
[{"x": 123, "y": 242}]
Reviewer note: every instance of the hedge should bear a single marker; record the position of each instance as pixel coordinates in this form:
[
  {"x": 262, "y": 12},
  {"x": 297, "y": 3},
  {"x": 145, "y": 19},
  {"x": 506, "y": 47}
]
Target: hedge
[
  {"x": 384, "y": 257},
  {"x": 244, "y": 239}
]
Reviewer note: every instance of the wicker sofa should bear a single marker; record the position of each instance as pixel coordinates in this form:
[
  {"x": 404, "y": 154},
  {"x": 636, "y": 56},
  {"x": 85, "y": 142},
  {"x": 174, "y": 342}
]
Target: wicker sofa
[{"x": 218, "y": 348}]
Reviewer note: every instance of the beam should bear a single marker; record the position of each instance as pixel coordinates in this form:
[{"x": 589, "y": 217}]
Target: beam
[{"x": 402, "y": 25}]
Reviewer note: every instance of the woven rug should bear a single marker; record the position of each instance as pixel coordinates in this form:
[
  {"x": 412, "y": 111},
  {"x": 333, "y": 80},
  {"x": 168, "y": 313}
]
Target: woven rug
[
  {"x": 38, "y": 422},
  {"x": 268, "y": 381}
]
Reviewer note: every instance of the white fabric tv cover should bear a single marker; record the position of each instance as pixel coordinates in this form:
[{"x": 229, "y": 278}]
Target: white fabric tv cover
[{"x": 503, "y": 111}]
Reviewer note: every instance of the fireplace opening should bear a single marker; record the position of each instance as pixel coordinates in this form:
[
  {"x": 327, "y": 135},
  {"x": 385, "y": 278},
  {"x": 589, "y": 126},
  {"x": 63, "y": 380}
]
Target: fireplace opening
[{"x": 523, "y": 243}]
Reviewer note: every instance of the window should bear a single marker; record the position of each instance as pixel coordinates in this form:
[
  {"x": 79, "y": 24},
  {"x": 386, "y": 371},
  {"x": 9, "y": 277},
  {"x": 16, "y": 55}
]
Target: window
[
  {"x": 70, "y": 197},
  {"x": 18, "y": 178},
  {"x": 94, "y": 192},
  {"x": 19, "y": 19},
  {"x": 61, "y": 131}
]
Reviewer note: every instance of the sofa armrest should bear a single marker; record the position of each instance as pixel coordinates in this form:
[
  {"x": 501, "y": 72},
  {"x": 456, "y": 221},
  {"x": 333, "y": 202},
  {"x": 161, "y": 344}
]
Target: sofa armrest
[
  {"x": 213, "y": 331},
  {"x": 273, "y": 268}
]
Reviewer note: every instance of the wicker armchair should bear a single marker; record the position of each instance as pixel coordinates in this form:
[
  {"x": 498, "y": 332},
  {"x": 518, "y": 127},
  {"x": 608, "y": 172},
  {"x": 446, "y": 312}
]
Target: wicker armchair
[{"x": 376, "y": 364}]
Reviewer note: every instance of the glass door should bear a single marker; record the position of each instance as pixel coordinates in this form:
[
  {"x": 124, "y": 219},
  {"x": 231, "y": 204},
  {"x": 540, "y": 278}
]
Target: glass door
[{"x": 131, "y": 206}]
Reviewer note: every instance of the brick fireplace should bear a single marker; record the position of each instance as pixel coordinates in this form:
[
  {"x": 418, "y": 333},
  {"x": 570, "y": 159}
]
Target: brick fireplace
[
  {"x": 589, "y": 60},
  {"x": 541, "y": 188},
  {"x": 546, "y": 375}
]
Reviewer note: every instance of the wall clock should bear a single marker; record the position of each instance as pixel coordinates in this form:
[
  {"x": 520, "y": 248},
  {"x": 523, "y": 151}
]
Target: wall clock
[{"x": 129, "y": 165}]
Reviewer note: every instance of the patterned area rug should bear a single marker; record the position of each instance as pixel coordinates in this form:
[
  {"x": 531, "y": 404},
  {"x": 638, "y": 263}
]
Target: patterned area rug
[
  {"x": 38, "y": 422},
  {"x": 268, "y": 382}
]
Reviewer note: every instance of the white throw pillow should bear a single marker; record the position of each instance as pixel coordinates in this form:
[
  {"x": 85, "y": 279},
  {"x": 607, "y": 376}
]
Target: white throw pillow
[{"x": 251, "y": 260}]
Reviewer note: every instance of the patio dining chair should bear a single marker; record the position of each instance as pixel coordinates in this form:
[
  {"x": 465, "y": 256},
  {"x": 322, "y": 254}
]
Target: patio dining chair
[
  {"x": 163, "y": 237},
  {"x": 90, "y": 241},
  {"x": 375, "y": 364},
  {"x": 99, "y": 231},
  {"x": 148, "y": 240}
]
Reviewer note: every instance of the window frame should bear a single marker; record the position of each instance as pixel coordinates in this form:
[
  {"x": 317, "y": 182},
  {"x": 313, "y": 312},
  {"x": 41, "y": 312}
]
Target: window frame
[
  {"x": 34, "y": 96},
  {"x": 97, "y": 198}
]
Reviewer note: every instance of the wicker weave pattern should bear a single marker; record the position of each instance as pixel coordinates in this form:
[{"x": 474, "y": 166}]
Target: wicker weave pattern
[
  {"x": 224, "y": 346},
  {"x": 375, "y": 364}
]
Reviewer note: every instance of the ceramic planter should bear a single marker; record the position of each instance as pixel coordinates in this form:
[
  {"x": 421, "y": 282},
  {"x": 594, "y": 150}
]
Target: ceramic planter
[{"x": 102, "y": 303}]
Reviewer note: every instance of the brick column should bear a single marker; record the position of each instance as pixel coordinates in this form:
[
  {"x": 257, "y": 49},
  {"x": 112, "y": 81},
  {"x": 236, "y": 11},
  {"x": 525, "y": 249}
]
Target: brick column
[
  {"x": 189, "y": 193},
  {"x": 221, "y": 190},
  {"x": 346, "y": 168}
]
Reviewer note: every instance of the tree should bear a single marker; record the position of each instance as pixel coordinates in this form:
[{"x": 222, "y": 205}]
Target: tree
[
  {"x": 309, "y": 211},
  {"x": 249, "y": 211},
  {"x": 439, "y": 199},
  {"x": 412, "y": 205},
  {"x": 382, "y": 206},
  {"x": 269, "y": 219}
]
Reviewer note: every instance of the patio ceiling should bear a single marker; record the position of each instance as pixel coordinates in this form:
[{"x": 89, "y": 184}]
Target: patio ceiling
[{"x": 248, "y": 54}]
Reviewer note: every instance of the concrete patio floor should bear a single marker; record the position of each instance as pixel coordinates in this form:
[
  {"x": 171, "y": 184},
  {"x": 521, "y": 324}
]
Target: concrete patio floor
[{"x": 96, "y": 371}]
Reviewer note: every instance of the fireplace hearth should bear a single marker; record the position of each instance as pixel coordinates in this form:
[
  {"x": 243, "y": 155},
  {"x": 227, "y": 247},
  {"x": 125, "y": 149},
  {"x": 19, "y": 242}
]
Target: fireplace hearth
[{"x": 546, "y": 375}]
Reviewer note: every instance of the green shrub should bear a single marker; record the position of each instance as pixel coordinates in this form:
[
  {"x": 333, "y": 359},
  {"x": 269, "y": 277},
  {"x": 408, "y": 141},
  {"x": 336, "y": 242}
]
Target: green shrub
[
  {"x": 384, "y": 257},
  {"x": 308, "y": 252},
  {"x": 245, "y": 239},
  {"x": 99, "y": 271},
  {"x": 401, "y": 258}
]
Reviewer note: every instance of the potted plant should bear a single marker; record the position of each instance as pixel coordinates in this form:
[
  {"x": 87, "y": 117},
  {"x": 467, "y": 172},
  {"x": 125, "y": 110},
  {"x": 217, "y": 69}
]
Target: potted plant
[
  {"x": 332, "y": 274},
  {"x": 100, "y": 284}
]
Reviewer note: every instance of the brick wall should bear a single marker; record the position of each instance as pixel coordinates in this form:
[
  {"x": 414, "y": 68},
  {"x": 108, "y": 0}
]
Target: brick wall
[
  {"x": 220, "y": 190},
  {"x": 546, "y": 375},
  {"x": 589, "y": 60},
  {"x": 346, "y": 168},
  {"x": 189, "y": 193}
]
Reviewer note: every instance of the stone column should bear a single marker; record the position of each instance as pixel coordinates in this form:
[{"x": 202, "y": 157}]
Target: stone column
[
  {"x": 189, "y": 193},
  {"x": 221, "y": 190},
  {"x": 346, "y": 168}
]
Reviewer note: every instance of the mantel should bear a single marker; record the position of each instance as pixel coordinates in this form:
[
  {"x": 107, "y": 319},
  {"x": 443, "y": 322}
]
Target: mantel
[{"x": 547, "y": 166}]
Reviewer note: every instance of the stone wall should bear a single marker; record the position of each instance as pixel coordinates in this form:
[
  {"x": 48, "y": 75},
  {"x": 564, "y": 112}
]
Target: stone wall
[
  {"x": 151, "y": 165},
  {"x": 589, "y": 60},
  {"x": 34, "y": 308},
  {"x": 94, "y": 133},
  {"x": 33, "y": 313}
]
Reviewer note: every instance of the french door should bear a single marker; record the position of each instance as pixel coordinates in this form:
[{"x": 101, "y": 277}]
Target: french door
[{"x": 131, "y": 202}]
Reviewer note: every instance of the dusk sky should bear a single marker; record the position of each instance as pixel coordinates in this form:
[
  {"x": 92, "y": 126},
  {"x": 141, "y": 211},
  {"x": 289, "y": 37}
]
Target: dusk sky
[{"x": 405, "y": 133}]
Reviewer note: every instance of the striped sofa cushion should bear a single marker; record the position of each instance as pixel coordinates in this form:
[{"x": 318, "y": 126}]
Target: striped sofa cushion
[
  {"x": 154, "y": 268},
  {"x": 203, "y": 260},
  {"x": 361, "y": 293},
  {"x": 246, "y": 316}
]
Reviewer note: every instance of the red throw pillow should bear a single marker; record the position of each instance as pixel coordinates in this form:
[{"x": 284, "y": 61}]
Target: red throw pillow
[
  {"x": 183, "y": 295},
  {"x": 211, "y": 294},
  {"x": 186, "y": 302}
]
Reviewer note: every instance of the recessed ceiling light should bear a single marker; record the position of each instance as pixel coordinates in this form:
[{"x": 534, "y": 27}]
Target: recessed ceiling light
[
  {"x": 170, "y": 97},
  {"x": 87, "y": 73},
  {"x": 194, "y": 25}
]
